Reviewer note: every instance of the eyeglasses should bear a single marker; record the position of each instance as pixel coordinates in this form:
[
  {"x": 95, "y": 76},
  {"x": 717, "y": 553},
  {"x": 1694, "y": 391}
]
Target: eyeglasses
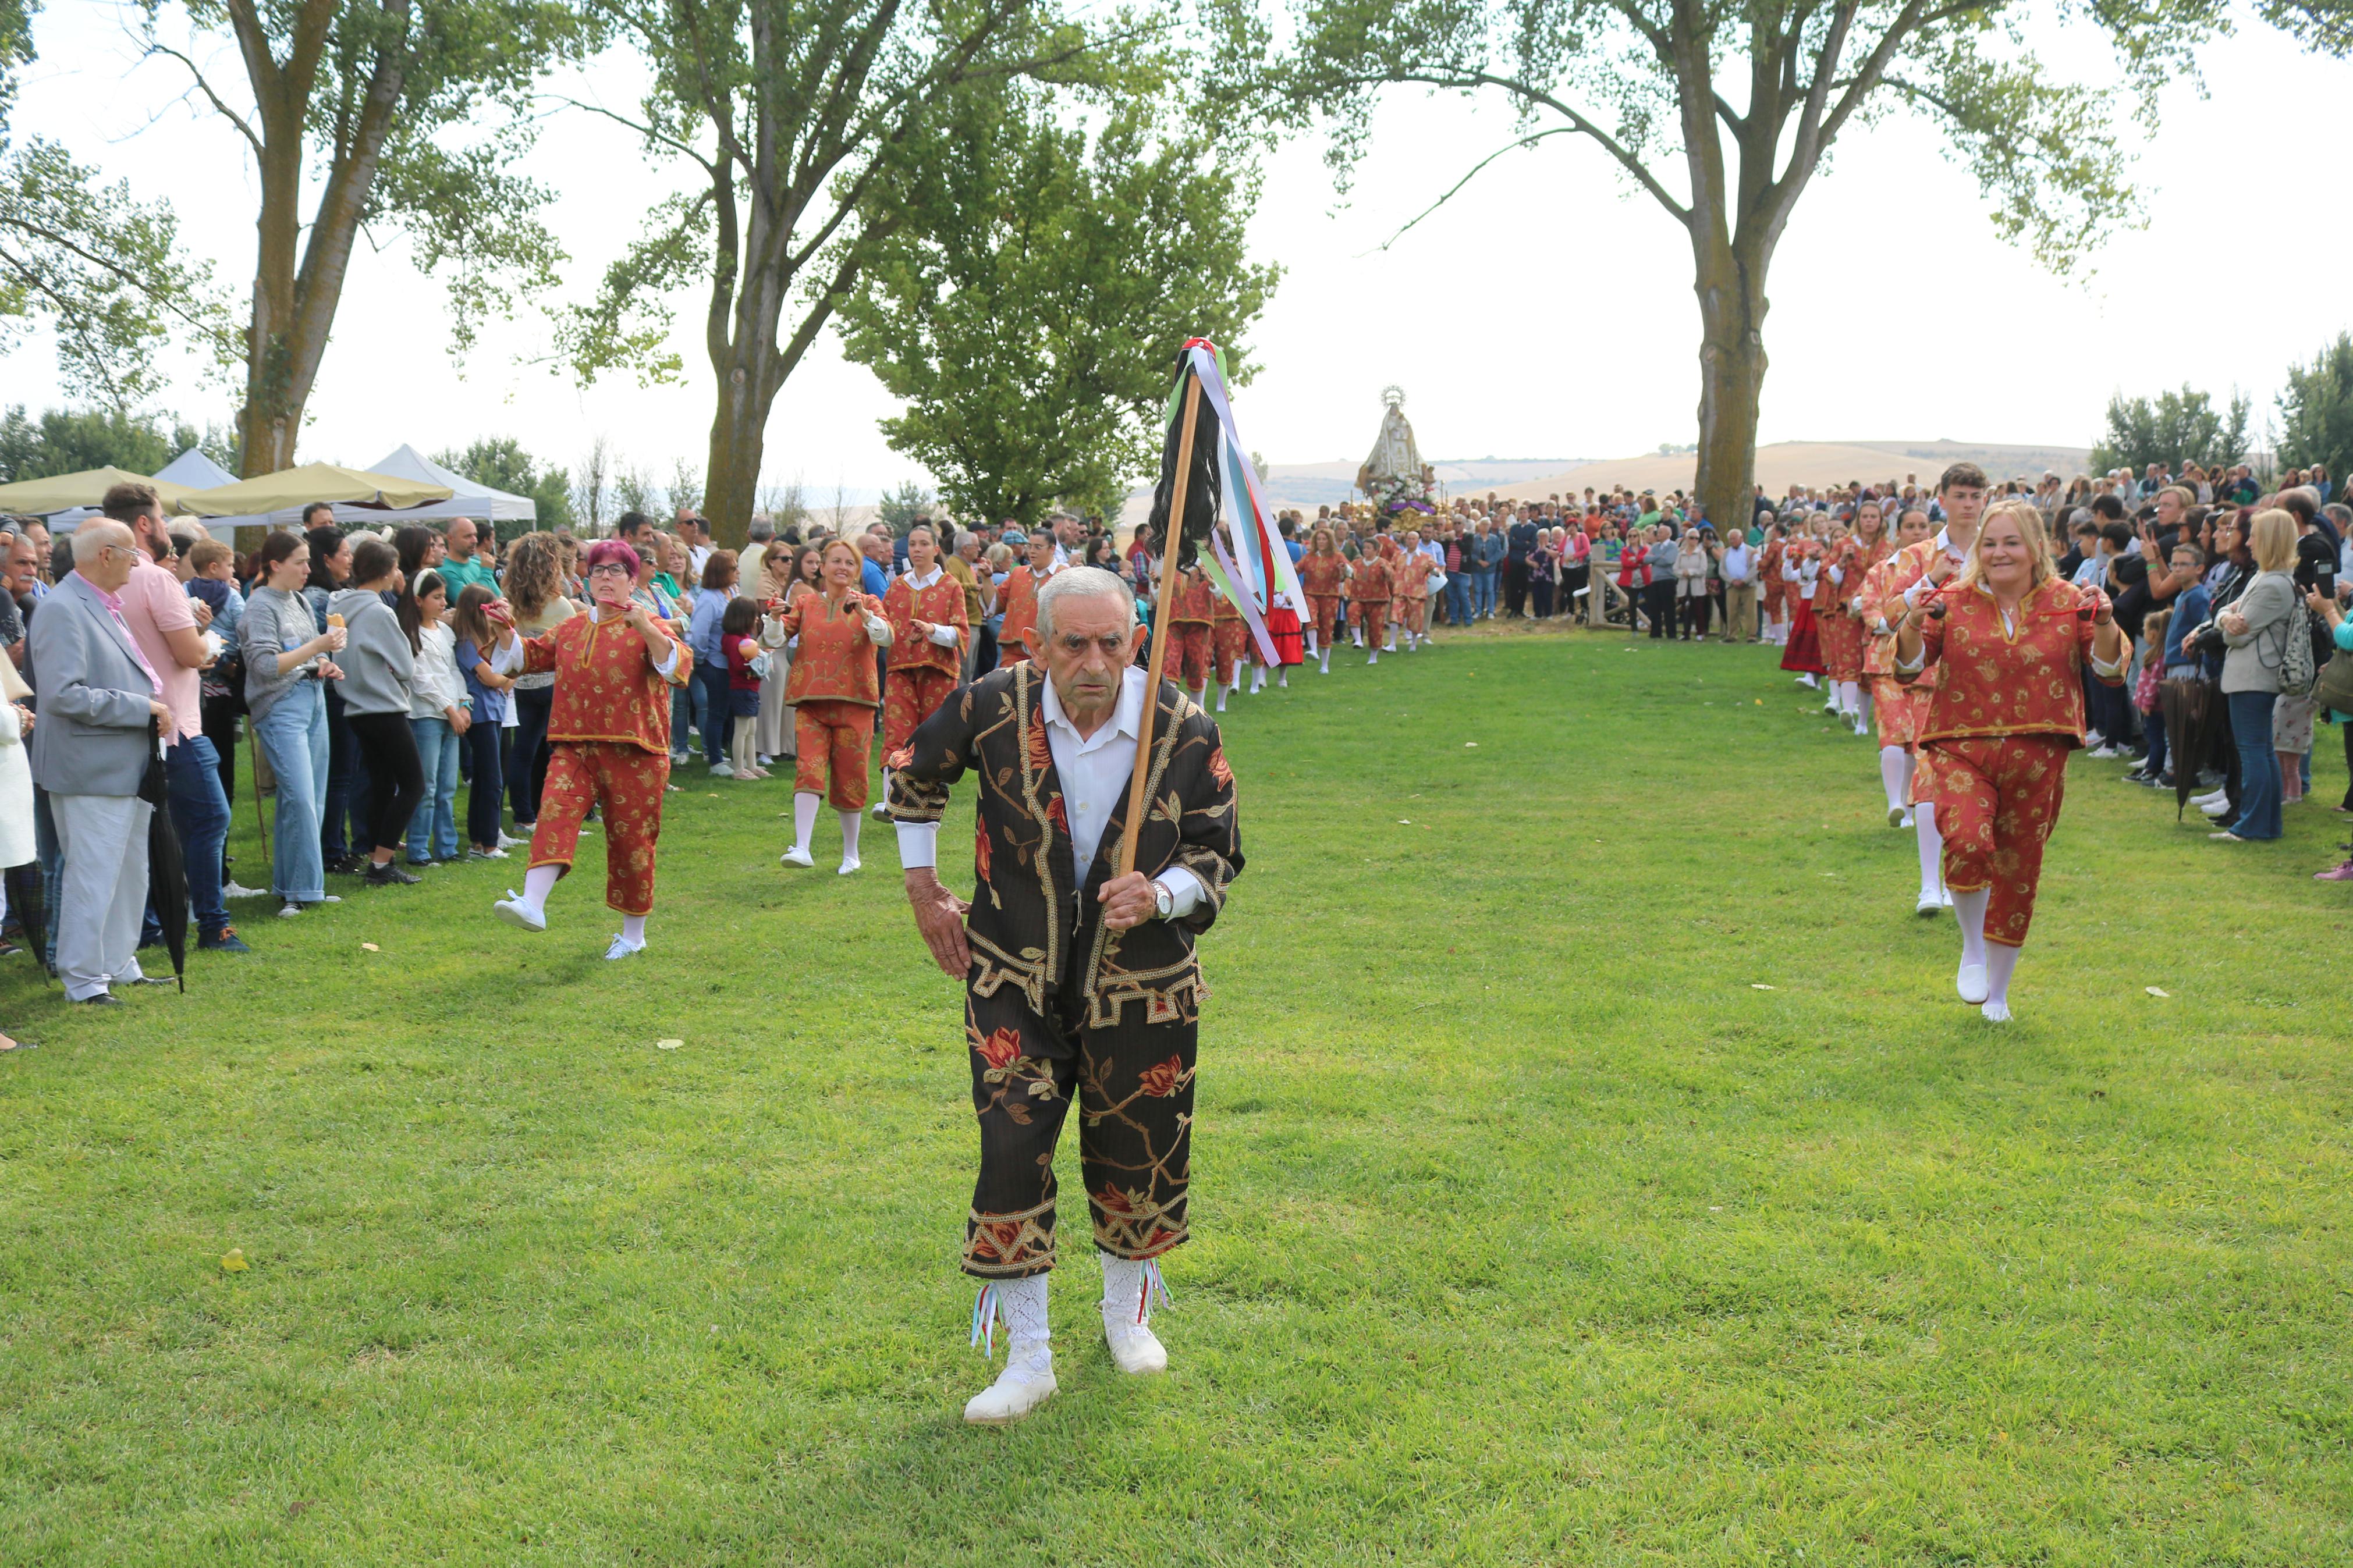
[{"x": 610, "y": 568}]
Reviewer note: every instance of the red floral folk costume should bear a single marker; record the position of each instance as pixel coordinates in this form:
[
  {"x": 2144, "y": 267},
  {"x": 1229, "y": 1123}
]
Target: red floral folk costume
[
  {"x": 1371, "y": 587},
  {"x": 608, "y": 734},
  {"x": 923, "y": 668},
  {"x": 1801, "y": 573},
  {"x": 1019, "y": 599},
  {"x": 1188, "y": 631},
  {"x": 832, "y": 691},
  {"x": 1325, "y": 580}
]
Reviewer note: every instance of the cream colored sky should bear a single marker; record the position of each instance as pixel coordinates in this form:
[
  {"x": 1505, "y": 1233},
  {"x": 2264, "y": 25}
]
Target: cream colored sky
[{"x": 1547, "y": 313}]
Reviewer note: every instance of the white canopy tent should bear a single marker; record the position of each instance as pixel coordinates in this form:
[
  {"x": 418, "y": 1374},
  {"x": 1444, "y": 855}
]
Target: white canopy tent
[
  {"x": 469, "y": 497},
  {"x": 195, "y": 470}
]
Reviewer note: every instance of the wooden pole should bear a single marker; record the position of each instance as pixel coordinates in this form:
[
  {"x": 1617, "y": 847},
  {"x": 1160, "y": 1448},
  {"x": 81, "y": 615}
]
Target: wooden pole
[{"x": 1171, "y": 542}]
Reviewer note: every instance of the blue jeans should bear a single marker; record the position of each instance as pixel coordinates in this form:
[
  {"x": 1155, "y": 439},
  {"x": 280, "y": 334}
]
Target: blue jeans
[
  {"x": 2259, "y": 770},
  {"x": 1485, "y": 604},
  {"x": 294, "y": 738},
  {"x": 718, "y": 722},
  {"x": 685, "y": 711},
  {"x": 1457, "y": 598},
  {"x": 433, "y": 830},
  {"x": 480, "y": 746},
  {"x": 200, "y": 815}
]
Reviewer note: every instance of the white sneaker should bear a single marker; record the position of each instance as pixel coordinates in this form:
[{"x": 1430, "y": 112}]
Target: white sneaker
[
  {"x": 2216, "y": 810},
  {"x": 1134, "y": 1348},
  {"x": 1020, "y": 1388},
  {"x": 488, "y": 854},
  {"x": 2104, "y": 754},
  {"x": 509, "y": 841},
  {"x": 849, "y": 864},
  {"x": 765, "y": 760},
  {"x": 240, "y": 890},
  {"x": 1944, "y": 897},
  {"x": 515, "y": 912},
  {"x": 1898, "y": 817},
  {"x": 1995, "y": 1012},
  {"x": 882, "y": 809},
  {"x": 722, "y": 770},
  {"x": 1931, "y": 900},
  {"x": 622, "y": 948},
  {"x": 289, "y": 909},
  {"x": 1971, "y": 982},
  {"x": 797, "y": 856},
  {"x": 1909, "y": 821}
]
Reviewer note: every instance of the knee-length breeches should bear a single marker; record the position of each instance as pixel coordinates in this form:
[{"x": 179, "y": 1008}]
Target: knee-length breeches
[
  {"x": 1373, "y": 615},
  {"x": 626, "y": 781},
  {"x": 1134, "y": 1088},
  {"x": 834, "y": 738},
  {"x": 1325, "y": 611},
  {"x": 1227, "y": 641},
  {"x": 1898, "y": 708},
  {"x": 1413, "y": 615},
  {"x": 1188, "y": 653},
  {"x": 1996, "y": 801},
  {"x": 910, "y": 697}
]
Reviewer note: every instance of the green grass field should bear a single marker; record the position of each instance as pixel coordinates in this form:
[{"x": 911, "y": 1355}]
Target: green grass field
[{"x": 1531, "y": 1226}]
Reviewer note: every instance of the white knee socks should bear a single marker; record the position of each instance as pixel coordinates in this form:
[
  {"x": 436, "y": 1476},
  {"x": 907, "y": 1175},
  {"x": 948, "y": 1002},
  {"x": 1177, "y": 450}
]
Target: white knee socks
[
  {"x": 1123, "y": 1293},
  {"x": 1970, "y": 909},
  {"x": 537, "y": 883},
  {"x": 1932, "y": 853},
  {"x": 1891, "y": 774},
  {"x": 1324, "y": 661},
  {"x": 1862, "y": 710},
  {"x": 850, "y": 821},
  {"x": 2001, "y": 961},
  {"x": 805, "y": 806},
  {"x": 1021, "y": 1305},
  {"x": 633, "y": 930}
]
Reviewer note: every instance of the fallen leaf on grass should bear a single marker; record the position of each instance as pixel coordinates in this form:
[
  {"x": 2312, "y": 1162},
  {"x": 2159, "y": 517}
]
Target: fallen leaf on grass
[
  {"x": 370, "y": 947},
  {"x": 2156, "y": 991},
  {"x": 1759, "y": 986},
  {"x": 1405, "y": 821},
  {"x": 233, "y": 1260},
  {"x": 1472, "y": 744},
  {"x": 668, "y": 1045}
]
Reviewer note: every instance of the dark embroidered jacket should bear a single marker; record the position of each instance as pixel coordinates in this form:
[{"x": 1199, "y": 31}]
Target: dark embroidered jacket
[{"x": 1025, "y": 916}]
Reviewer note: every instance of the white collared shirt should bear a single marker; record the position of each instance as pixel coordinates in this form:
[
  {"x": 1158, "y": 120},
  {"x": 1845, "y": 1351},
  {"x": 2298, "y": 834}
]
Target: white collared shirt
[
  {"x": 944, "y": 635},
  {"x": 1095, "y": 772}
]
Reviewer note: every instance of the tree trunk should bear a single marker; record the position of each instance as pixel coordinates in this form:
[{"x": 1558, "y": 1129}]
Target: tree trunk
[
  {"x": 738, "y": 443},
  {"x": 1730, "y": 282}
]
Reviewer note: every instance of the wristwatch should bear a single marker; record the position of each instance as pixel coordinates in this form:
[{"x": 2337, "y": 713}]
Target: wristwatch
[{"x": 1162, "y": 901}]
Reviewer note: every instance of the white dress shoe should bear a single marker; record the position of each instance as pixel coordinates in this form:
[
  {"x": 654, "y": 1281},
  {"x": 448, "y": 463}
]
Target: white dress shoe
[
  {"x": 797, "y": 856},
  {"x": 515, "y": 912},
  {"x": 1971, "y": 982},
  {"x": 1931, "y": 900},
  {"x": 1020, "y": 1388},
  {"x": 1134, "y": 1348},
  {"x": 1897, "y": 816},
  {"x": 1944, "y": 897},
  {"x": 623, "y": 948},
  {"x": 1995, "y": 1012},
  {"x": 847, "y": 866}
]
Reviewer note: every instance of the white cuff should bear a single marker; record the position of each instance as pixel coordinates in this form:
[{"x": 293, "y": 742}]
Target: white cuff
[
  {"x": 508, "y": 660},
  {"x": 919, "y": 844},
  {"x": 945, "y": 637},
  {"x": 878, "y": 631},
  {"x": 1911, "y": 666},
  {"x": 1184, "y": 890},
  {"x": 2108, "y": 672},
  {"x": 668, "y": 663}
]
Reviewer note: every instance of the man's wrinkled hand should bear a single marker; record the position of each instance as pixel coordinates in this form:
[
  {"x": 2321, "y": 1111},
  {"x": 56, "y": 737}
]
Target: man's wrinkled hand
[
  {"x": 939, "y": 915},
  {"x": 1129, "y": 900}
]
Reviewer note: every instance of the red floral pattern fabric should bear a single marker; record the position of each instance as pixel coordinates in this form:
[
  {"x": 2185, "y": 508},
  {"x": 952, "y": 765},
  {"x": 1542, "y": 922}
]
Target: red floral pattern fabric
[
  {"x": 606, "y": 687},
  {"x": 835, "y": 660}
]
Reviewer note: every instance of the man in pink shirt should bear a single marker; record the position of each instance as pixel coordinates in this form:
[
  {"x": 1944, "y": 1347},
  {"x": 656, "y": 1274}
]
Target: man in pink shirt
[{"x": 165, "y": 624}]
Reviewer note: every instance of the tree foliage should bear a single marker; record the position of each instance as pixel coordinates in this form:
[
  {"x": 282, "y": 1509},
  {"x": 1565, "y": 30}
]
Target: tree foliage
[
  {"x": 97, "y": 267},
  {"x": 790, "y": 117},
  {"x": 406, "y": 115},
  {"x": 1029, "y": 308},
  {"x": 2317, "y": 411},
  {"x": 902, "y": 504},
  {"x": 70, "y": 441},
  {"x": 2172, "y": 429},
  {"x": 499, "y": 462}
]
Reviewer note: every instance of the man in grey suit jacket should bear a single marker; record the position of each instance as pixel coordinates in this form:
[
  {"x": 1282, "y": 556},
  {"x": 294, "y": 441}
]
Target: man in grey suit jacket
[{"x": 99, "y": 703}]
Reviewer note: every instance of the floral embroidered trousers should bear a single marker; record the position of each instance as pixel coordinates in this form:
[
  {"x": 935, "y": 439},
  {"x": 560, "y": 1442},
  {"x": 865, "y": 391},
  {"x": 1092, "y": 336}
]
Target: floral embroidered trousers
[
  {"x": 1324, "y": 610},
  {"x": 834, "y": 740},
  {"x": 1996, "y": 801},
  {"x": 909, "y": 697},
  {"x": 1373, "y": 615},
  {"x": 1188, "y": 653},
  {"x": 1898, "y": 708},
  {"x": 1227, "y": 640},
  {"x": 1134, "y": 1088},
  {"x": 626, "y": 781}
]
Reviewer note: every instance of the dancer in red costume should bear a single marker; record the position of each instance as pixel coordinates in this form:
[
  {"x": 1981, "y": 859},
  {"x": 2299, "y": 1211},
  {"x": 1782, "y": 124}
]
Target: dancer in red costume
[
  {"x": 615, "y": 665},
  {"x": 925, "y": 607},
  {"x": 1801, "y": 571},
  {"x": 2012, "y": 639}
]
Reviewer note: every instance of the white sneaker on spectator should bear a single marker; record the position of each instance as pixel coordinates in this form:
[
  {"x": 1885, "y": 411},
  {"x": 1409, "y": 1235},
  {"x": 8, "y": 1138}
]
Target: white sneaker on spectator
[
  {"x": 2103, "y": 752},
  {"x": 1971, "y": 983},
  {"x": 765, "y": 759},
  {"x": 240, "y": 890},
  {"x": 797, "y": 856},
  {"x": 486, "y": 855},
  {"x": 722, "y": 770},
  {"x": 2216, "y": 810},
  {"x": 509, "y": 841},
  {"x": 622, "y": 948},
  {"x": 289, "y": 909}
]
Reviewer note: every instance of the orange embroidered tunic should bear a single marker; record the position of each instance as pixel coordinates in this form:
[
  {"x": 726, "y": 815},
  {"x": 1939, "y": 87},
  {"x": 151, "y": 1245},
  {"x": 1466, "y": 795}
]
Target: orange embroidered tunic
[
  {"x": 1221, "y": 609},
  {"x": 1323, "y": 576},
  {"x": 1854, "y": 563},
  {"x": 1372, "y": 582},
  {"x": 835, "y": 660},
  {"x": 1193, "y": 600},
  {"x": 606, "y": 687},
  {"x": 942, "y": 603},
  {"x": 1021, "y": 600},
  {"x": 2026, "y": 679},
  {"x": 1878, "y": 648},
  {"x": 1905, "y": 567},
  {"x": 1411, "y": 570}
]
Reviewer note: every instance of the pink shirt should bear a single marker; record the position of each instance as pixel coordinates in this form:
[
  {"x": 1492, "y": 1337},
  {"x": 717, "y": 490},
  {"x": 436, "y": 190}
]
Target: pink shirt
[{"x": 155, "y": 603}]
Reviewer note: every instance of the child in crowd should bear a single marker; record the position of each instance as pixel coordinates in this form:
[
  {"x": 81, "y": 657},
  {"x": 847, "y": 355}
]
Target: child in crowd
[
  {"x": 747, "y": 666},
  {"x": 485, "y": 701},
  {"x": 437, "y": 716}
]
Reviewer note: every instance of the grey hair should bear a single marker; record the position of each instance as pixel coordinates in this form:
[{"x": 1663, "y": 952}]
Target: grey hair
[
  {"x": 760, "y": 529},
  {"x": 95, "y": 536},
  {"x": 1082, "y": 583},
  {"x": 964, "y": 536}
]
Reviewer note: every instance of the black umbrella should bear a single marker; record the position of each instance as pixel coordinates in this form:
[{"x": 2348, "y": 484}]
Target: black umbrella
[
  {"x": 2187, "y": 704},
  {"x": 34, "y": 916},
  {"x": 167, "y": 874}
]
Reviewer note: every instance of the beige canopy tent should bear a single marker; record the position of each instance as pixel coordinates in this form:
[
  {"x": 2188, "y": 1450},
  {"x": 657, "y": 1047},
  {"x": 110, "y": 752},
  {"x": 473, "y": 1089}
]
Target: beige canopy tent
[
  {"x": 261, "y": 500},
  {"x": 68, "y": 492}
]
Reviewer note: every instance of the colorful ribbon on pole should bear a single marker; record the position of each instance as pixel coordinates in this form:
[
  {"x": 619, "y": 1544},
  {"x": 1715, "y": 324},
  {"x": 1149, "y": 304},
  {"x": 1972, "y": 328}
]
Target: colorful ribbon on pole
[{"x": 1246, "y": 559}]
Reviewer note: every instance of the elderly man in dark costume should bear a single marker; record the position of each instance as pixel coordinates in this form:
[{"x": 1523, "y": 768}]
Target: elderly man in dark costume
[{"x": 1079, "y": 982}]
